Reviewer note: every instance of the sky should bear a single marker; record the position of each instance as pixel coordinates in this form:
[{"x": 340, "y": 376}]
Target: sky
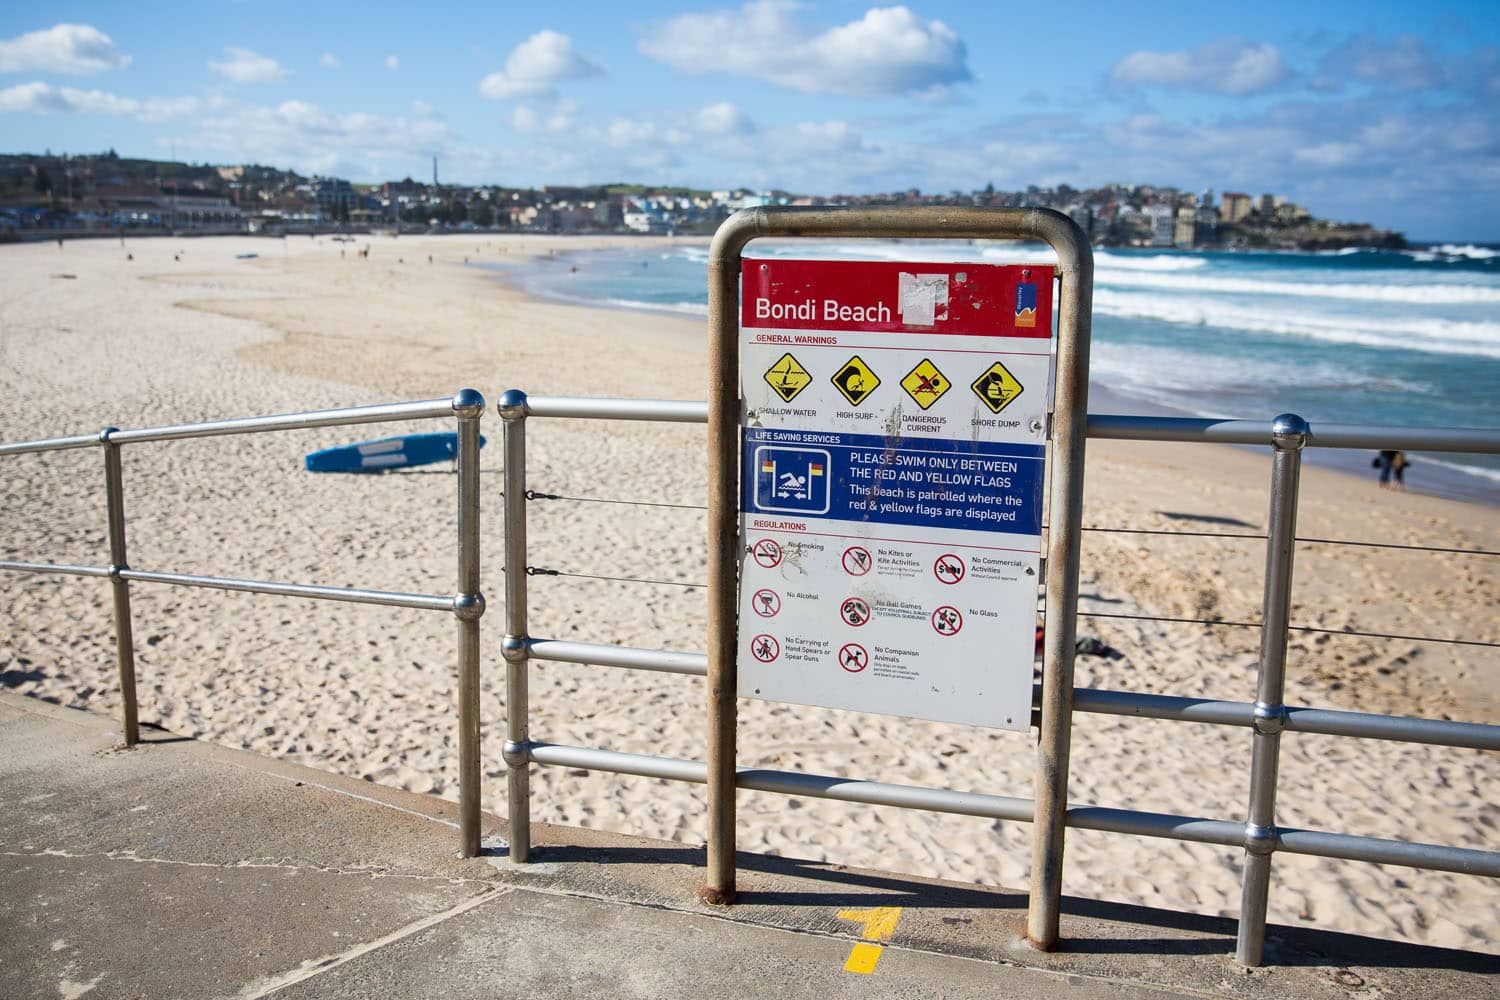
[{"x": 1372, "y": 111}]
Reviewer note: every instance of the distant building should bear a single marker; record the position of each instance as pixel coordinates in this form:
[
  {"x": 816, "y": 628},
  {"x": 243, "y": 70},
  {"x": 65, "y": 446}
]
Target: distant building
[
  {"x": 1235, "y": 207},
  {"x": 335, "y": 197},
  {"x": 1162, "y": 219},
  {"x": 1185, "y": 227}
]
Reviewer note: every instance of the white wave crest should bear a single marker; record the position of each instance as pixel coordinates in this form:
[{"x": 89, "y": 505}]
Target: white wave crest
[
  {"x": 1481, "y": 471},
  {"x": 1468, "y": 250},
  {"x": 1431, "y": 335},
  {"x": 1147, "y": 262},
  {"x": 1429, "y": 294}
]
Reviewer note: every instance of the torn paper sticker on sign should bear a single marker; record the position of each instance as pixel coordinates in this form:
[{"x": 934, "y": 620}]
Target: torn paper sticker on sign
[{"x": 923, "y": 298}]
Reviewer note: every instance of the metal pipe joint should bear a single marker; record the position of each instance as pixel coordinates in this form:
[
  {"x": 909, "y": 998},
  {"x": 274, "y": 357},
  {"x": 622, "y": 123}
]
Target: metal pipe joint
[
  {"x": 1261, "y": 840},
  {"x": 1289, "y": 432},
  {"x": 1269, "y": 719},
  {"x": 468, "y": 607},
  {"x": 512, "y": 405},
  {"x": 515, "y": 648},
  {"x": 468, "y": 404},
  {"x": 516, "y": 753}
]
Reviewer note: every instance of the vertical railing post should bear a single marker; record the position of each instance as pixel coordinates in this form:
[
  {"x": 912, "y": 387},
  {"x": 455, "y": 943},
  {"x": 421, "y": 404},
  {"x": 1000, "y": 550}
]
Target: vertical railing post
[
  {"x": 468, "y": 608},
  {"x": 124, "y": 636},
  {"x": 515, "y": 646},
  {"x": 1289, "y": 435}
]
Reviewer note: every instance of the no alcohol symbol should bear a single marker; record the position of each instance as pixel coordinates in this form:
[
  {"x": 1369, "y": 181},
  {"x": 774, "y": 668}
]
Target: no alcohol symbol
[
  {"x": 853, "y": 658},
  {"x": 766, "y": 603},
  {"x": 949, "y": 568},
  {"x": 765, "y": 648},
  {"x": 855, "y": 611}
]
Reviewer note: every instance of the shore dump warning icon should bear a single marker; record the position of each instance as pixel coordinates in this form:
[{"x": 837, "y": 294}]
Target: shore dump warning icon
[
  {"x": 997, "y": 388},
  {"x": 855, "y": 381},
  {"x": 787, "y": 377},
  {"x": 925, "y": 384},
  {"x": 793, "y": 480}
]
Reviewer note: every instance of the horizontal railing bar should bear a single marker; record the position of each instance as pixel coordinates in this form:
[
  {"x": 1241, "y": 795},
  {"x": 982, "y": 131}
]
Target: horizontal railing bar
[
  {"x": 1195, "y": 429},
  {"x": 424, "y": 409},
  {"x": 1224, "y": 833},
  {"x": 1434, "y": 857},
  {"x": 682, "y": 411},
  {"x": 348, "y": 595},
  {"x": 62, "y": 569},
  {"x": 50, "y": 444},
  {"x": 1397, "y": 728},
  {"x": 1132, "y": 704},
  {"x": 628, "y": 657}
]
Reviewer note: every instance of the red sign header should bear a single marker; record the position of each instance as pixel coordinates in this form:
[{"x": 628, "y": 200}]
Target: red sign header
[{"x": 984, "y": 300}]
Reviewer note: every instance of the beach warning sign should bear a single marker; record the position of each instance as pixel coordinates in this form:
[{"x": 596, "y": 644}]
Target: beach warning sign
[{"x": 891, "y": 522}]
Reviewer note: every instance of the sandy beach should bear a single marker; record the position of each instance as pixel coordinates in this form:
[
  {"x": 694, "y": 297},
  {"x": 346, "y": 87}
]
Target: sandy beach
[{"x": 186, "y": 331}]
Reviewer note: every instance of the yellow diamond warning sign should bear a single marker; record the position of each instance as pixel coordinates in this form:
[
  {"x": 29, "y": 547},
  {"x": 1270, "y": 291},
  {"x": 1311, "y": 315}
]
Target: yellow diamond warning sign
[
  {"x": 925, "y": 384},
  {"x": 997, "y": 387},
  {"x": 855, "y": 380},
  {"x": 787, "y": 377}
]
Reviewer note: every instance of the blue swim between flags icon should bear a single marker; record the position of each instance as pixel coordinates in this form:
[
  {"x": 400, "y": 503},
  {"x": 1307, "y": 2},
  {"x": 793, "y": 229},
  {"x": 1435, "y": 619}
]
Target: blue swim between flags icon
[{"x": 792, "y": 480}]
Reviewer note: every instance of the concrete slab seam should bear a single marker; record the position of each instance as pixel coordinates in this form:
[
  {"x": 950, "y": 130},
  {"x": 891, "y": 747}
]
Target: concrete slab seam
[{"x": 283, "y": 864}]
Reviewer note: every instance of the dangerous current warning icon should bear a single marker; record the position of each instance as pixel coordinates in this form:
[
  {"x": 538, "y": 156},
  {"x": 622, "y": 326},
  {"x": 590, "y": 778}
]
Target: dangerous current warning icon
[
  {"x": 925, "y": 384},
  {"x": 787, "y": 377},
  {"x": 855, "y": 380},
  {"x": 997, "y": 388}
]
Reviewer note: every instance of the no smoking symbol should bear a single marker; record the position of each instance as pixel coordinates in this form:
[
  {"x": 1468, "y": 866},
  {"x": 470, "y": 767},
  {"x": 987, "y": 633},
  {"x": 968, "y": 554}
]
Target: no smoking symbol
[
  {"x": 857, "y": 561},
  {"x": 853, "y": 658},
  {"x": 949, "y": 568},
  {"x": 765, "y": 648},
  {"x": 767, "y": 553},
  {"x": 766, "y": 603},
  {"x": 946, "y": 620}
]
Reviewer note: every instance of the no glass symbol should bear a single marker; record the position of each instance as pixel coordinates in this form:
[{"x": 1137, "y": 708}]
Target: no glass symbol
[
  {"x": 853, "y": 658},
  {"x": 765, "y": 648},
  {"x": 949, "y": 568},
  {"x": 946, "y": 620},
  {"x": 767, "y": 553},
  {"x": 766, "y": 603},
  {"x": 855, "y": 611}
]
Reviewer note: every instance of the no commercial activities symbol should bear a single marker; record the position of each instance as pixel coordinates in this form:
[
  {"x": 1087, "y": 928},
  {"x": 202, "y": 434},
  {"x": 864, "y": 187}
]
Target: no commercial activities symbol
[
  {"x": 857, "y": 561},
  {"x": 946, "y": 620},
  {"x": 948, "y": 568},
  {"x": 855, "y": 381},
  {"x": 766, "y": 603},
  {"x": 925, "y": 384},
  {"x": 787, "y": 377},
  {"x": 767, "y": 553},
  {"x": 765, "y": 648},
  {"x": 855, "y": 611},
  {"x": 853, "y": 658},
  {"x": 997, "y": 388}
]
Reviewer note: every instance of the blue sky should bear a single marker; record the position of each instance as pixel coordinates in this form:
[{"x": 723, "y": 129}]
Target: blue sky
[{"x": 1369, "y": 111}]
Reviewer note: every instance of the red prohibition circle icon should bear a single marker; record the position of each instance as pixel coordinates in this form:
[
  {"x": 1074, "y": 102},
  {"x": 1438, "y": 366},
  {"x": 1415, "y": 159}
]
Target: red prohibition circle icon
[
  {"x": 949, "y": 568},
  {"x": 853, "y": 657},
  {"x": 765, "y": 648},
  {"x": 855, "y": 611},
  {"x": 766, "y": 603},
  {"x": 857, "y": 560},
  {"x": 947, "y": 620},
  {"x": 767, "y": 553}
]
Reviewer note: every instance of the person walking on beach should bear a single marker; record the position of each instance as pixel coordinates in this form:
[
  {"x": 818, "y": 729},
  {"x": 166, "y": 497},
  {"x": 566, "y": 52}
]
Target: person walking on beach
[
  {"x": 1398, "y": 469},
  {"x": 1385, "y": 462}
]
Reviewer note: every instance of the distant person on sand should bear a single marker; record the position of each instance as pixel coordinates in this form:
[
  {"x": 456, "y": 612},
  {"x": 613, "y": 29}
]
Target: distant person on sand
[
  {"x": 1391, "y": 463},
  {"x": 1398, "y": 468}
]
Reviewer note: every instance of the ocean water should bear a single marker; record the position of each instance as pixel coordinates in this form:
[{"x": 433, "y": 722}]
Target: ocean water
[{"x": 1408, "y": 338}]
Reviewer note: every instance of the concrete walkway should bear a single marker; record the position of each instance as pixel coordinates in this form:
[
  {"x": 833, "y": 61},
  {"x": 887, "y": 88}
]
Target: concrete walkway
[{"x": 184, "y": 869}]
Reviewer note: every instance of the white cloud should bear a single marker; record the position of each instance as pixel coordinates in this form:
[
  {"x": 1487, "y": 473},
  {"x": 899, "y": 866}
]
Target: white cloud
[
  {"x": 329, "y": 61},
  {"x": 559, "y": 118},
  {"x": 393, "y": 63},
  {"x": 889, "y": 50},
  {"x": 723, "y": 119},
  {"x": 1404, "y": 63},
  {"x": 310, "y": 138},
  {"x": 244, "y": 66},
  {"x": 422, "y": 109},
  {"x": 44, "y": 98},
  {"x": 1228, "y": 66},
  {"x": 536, "y": 66},
  {"x": 65, "y": 48}
]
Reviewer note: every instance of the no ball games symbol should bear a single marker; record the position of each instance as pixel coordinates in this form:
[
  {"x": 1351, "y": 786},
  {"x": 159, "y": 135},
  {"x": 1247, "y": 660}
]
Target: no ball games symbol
[
  {"x": 925, "y": 384},
  {"x": 855, "y": 381},
  {"x": 767, "y": 553},
  {"x": 853, "y": 658},
  {"x": 766, "y": 603},
  {"x": 996, "y": 388},
  {"x": 787, "y": 377},
  {"x": 948, "y": 568},
  {"x": 857, "y": 561},
  {"x": 765, "y": 648},
  {"x": 855, "y": 611},
  {"x": 946, "y": 620}
]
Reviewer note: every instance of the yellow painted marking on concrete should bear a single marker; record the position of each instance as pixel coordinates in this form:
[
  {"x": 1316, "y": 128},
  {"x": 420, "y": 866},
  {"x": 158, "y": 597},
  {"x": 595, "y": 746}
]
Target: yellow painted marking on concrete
[
  {"x": 876, "y": 924},
  {"x": 863, "y": 958}
]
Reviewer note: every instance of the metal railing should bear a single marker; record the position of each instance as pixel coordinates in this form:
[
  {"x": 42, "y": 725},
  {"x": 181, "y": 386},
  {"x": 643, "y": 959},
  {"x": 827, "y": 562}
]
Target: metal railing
[
  {"x": 1267, "y": 716},
  {"x": 467, "y": 605}
]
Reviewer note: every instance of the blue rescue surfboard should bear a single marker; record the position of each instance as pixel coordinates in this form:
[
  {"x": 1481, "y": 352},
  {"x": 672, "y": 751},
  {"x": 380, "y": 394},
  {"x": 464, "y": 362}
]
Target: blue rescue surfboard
[{"x": 387, "y": 453}]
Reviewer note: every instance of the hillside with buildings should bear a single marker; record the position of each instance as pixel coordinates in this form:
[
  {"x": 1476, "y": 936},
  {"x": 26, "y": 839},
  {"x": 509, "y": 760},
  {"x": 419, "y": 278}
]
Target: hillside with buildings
[{"x": 47, "y": 196}]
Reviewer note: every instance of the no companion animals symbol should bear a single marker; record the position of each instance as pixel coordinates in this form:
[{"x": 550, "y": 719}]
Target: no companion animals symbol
[{"x": 853, "y": 658}]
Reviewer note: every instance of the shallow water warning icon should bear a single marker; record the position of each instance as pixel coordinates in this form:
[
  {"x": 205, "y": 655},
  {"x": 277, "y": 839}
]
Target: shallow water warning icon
[
  {"x": 925, "y": 384},
  {"x": 791, "y": 480},
  {"x": 997, "y": 388},
  {"x": 855, "y": 380},
  {"x": 787, "y": 377}
]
